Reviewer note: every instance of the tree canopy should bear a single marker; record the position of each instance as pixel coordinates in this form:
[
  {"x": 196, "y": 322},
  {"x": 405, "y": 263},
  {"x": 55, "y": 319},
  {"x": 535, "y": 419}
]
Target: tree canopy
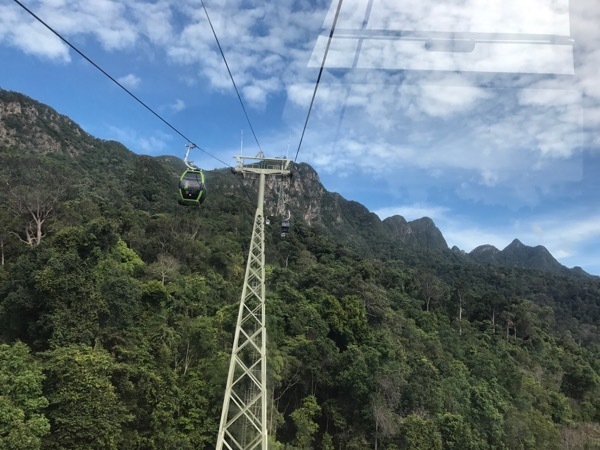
[{"x": 116, "y": 326}]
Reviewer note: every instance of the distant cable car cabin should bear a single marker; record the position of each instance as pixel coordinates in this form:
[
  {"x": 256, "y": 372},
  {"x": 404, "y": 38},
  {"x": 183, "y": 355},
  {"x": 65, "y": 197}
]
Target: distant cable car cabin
[
  {"x": 192, "y": 190},
  {"x": 285, "y": 227}
]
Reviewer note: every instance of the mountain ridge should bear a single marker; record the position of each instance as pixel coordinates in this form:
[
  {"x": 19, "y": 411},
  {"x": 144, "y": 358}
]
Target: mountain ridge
[
  {"x": 517, "y": 254},
  {"x": 348, "y": 222}
]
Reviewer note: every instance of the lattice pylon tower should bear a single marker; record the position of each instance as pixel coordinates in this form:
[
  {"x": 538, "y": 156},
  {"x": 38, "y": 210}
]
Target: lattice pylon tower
[{"x": 244, "y": 416}]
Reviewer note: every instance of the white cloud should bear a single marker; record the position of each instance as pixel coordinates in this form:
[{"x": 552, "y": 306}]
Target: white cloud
[
  {"x": 587, "y": 73},
  {"x": 154, "y": 144},
  {"x": 154, "y": 21},
  {"x": 267, "y": 45},
  {"x": 255, "y": 94},
  {"x": 30, "y": 36},
  {"x": 385, "y": 19},
  {"x": 300, "y": 94},
  {"x": 264, "y": 43},
  {"x": 585, "y": 16},
  {"x": 108, "y": 21},
  {"x": 178, "y": 105},
  {"x": 575, "y": 231},
  {"x": 500, "y": 16},
  {"x": 550, "y": 93},
  {"x": 447, "y": 100},
  {"x": 192, "y": 45},
  {"x": 130, "y": 81},
  {"x": 526, "y": 148}
]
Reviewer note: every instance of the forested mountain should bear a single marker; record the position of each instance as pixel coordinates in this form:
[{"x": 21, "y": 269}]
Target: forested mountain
[
  {"x": 518, "y": 255},
  {"x": 118, "y": 306}
]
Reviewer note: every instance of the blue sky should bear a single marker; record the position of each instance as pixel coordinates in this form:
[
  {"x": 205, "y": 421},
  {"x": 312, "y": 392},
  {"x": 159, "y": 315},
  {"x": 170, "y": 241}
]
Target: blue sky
[{"x": 495, "y": 140}]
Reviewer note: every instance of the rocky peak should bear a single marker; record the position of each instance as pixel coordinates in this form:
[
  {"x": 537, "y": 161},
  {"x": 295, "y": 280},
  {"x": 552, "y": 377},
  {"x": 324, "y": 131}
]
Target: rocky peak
[
  {"x": 427, "y": 234},
  {"x": 421, "y": 232},
  {"x": 515, "y": 244},
  {"x": 400, "y": 228},
  {"x": 538, "y": 257},
  {"x": 517, "y": 254},
  {"x": 457, "y": 250},
  {"x": 29, "y": 126},
  {"x": 485, "y": 254},
  {"x": 302, "y": 194},
  {"x": 485, "y": 249}
]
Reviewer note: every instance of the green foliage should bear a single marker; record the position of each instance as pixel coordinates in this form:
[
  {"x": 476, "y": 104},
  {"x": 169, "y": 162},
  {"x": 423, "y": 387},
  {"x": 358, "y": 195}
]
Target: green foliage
[
  {"x": 22, "y": 420},
  {"x": 579, "y": 377},
  {"x": 456, "y": 432},
  {"x": 327, "y": 442},
  {"x": 303, "y": 419},
  {"x": 84, "y": 409},
  {"x": 129, "y": 304},
  {"x": 487, "y": 412},
  {"x": 417, "y": 433},
  {"x": 531, "y": 430}
]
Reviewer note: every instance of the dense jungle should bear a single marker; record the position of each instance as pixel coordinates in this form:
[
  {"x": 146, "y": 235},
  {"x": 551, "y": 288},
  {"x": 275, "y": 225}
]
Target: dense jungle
[{"x": 118, "y": 307}]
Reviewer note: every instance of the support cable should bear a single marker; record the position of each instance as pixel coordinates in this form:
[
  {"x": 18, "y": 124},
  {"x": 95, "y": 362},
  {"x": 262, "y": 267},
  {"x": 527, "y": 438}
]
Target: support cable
[
  {"x": 230, "y": 75},
  {"x": 337, "y": 13},
  {"x": 117, "y": 83}
]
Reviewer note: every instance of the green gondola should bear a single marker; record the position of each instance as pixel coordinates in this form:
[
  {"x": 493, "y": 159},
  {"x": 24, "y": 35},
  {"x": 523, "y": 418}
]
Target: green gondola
[{"x": 192, "y": 190}]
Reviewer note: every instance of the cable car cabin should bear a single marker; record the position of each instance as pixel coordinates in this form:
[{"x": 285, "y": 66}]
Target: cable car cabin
[
  {"x": 192, "y": 190},
  {"x": 285, "y": 226}
]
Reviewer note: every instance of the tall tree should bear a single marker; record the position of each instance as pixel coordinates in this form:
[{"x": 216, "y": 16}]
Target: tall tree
[
  {"x": 431, "y": 288},
  {"x": 33, "y": 196},
  {"x": 304, "y": 419}
]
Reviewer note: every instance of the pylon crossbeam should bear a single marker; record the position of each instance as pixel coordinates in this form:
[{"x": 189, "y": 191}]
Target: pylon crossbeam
[
  {"x": 250, "y": 320},
  {"x": 248, "y": 303},
  {"x": 252, "y": 289},
  {"x": 244, "y": 411},
  {"x": 247, "y": 371},
  {"x": 246, "y": 374},
  {"x": 247, "y": 414},
  {"x": 255, "y": 444},
  {"x": 245, "y": 344},
  {"x": 249, "y": 339},
  {"x": 252, "y": 309},
  {"x": 251, "y": 314},
  {"x": 237, "y": 444}
]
